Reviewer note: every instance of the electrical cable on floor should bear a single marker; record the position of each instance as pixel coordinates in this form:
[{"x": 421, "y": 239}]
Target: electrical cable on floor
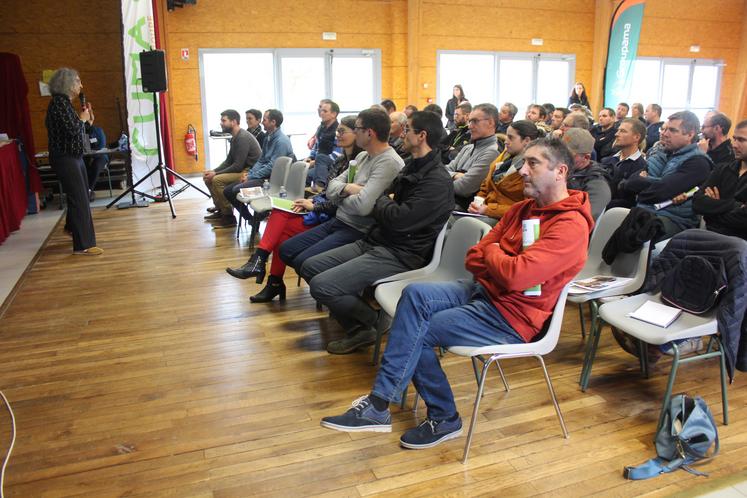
[{"x": 12, "y": 443}]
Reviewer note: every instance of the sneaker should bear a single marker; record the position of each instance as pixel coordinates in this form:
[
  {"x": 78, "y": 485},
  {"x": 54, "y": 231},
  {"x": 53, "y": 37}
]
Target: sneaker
[
  {"x": 91, "y": 251},
  {"x": 214, "y": 216},
  {"x": 362, "y": 337},
  {"x": 213, "y": 209},
  {"x": 224, "y": 222},
  {"x": 362, "y": 417},
  {"x": 431, "y": 432}
]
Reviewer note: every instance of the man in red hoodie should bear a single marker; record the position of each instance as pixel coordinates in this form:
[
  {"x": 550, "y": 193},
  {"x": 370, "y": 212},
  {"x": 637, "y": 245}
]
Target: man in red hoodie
[{"x": 492, "y": 309}]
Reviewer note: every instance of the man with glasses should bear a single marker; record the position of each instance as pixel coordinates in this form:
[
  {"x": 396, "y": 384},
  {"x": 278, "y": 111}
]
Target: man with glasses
[
  {"x": 459, "y": 136},
  {"x": 407, "y": 223},
  {"x": 471, "y": 164},
  {"x": 723, "y": 199},
  {"x": 376, "y": 167},
  {"x": 715, "y": 141},
  {"x": 671, "y": 173}
]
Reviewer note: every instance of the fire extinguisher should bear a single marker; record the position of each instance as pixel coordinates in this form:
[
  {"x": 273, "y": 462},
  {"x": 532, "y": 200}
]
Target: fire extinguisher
[{"x": 190, "y": 142}]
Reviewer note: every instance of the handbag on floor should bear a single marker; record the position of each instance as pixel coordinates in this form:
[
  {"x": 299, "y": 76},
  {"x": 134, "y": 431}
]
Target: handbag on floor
[{"x": 684, "y": 438}]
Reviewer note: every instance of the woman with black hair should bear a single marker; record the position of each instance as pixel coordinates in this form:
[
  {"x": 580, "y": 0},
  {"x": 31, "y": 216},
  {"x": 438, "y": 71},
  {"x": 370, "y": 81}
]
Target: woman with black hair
[{"x": 457, "y": 98}]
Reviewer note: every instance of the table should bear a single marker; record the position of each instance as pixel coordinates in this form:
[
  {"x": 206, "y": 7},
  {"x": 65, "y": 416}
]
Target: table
[{"x": 13, "y": 196}]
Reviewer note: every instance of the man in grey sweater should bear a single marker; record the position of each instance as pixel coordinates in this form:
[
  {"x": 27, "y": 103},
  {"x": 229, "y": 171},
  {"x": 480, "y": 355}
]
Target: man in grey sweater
[
  {"x": 470, "y": 167},
  {"x": 376, "y": 168},
  {"x": 242, "y": 155}
]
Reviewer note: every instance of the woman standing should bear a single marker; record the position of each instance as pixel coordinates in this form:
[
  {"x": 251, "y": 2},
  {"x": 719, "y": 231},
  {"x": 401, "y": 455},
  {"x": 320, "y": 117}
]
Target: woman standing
[
  {"x": 457, "y": 98},
  {"x": 65, "y": 133},
  {"x": 578, "y": 95}
]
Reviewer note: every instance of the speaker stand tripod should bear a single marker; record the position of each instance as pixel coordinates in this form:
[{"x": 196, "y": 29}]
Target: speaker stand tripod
[{"x": 161, "y": 169}]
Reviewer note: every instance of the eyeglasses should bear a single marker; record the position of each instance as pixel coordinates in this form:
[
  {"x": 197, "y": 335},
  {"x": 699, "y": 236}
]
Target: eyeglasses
[
  {"x": 409, "y": 129},
  {"x": 360, "y": 128},
  {"x": 474, "y": 121},
  {"x": 341, "y": 131},
  {"x": 668, "y": 129}
]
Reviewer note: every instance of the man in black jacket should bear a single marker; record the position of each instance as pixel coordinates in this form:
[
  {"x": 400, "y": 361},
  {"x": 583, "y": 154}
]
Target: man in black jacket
[
  {"x": 627, "y": 162},
  {"x": 723, "y": 199},
  {"x": 604, "y": 133},
  {"x": 402, "y": 239},
  {"x": 715, "y": 141}
]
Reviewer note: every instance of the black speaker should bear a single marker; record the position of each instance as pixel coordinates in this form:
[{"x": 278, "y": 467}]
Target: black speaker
[{"x": 153, "y": 71}]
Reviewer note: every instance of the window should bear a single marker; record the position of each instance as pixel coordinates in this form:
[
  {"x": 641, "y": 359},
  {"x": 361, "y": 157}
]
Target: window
[
  {"x": 496, "y": 77},
  {"x": 676, "y": 84},
  {"x": 292, "y": 80}
]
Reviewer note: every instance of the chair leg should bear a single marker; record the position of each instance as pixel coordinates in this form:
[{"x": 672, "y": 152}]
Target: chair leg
[
  {"x": 552, "y": 395},
  {"x": 403, "y": 401},
  {"x": 724, "y": 400},
  {"x": 670, "y": 384},
  {"x": 591, "y": 348},
  {"x": 473, "y": 421},
  {"x": 581, "y": 319},
  {"x": 643, "y": 358},
  {"x": 109, "y": 178},
  {"x": 238, "y": 225},
  {"x": 503, "y": 377},
  {"x": 380, "y": 325},
  {"x": 298, "y": 283}
]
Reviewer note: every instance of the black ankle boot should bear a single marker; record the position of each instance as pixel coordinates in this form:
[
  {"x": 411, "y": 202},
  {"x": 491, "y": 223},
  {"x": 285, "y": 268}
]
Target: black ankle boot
[
  {"x": 255, "y": 267},
  {"x": 275, "y": 287}
]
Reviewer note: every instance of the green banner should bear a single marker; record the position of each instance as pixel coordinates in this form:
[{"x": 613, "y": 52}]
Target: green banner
[{"x": 623, "y": 47}]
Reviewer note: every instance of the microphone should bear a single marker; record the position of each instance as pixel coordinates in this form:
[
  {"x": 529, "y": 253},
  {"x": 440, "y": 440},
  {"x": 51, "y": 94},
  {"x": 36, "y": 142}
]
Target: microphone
[{"x": 82, "y": 98}]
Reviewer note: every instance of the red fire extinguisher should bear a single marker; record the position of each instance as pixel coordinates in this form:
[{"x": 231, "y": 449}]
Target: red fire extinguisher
[{"x": 190, "y": 142}]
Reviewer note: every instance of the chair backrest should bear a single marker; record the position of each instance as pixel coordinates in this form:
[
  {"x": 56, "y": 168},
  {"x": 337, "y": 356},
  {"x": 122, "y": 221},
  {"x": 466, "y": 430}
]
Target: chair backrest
[
  {"x": 550, "y": 339},
  {"x": 279, "y": 174},
  {"x": 425, "y": 270},
  {"x": 625, "y": 264},
  {"x": 465, "y": 233},
  {"x": 295, "y": 182}
]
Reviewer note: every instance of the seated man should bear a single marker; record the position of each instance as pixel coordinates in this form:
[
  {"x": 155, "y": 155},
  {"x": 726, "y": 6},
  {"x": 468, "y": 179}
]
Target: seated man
[
  {"x": 537, "y": 114},
  {"x": 653, "y": 124},
  {"x": 671, "y": 173},
  {"x": 575, "y": 119},
  {"x": 604, "y": 133},
  {"x": 397, "y": 135},
  {"x": 459, "y": 136},
  {"x": 276, "y": 145},
  {"x": 723, "y": 198},
  {"x": 628, "y": 162},
  {"x": 558, "y": 115},
  {"x": 243, "y": 154},
  {"x": 471, "y": 164},
  {"x": 407, "y": 225},
  {"x": 324, "y": 144},
  {"x": 410, "y": 109},
  {"x": 587, "y": 175},
  {"x": 715, "y": 141},
  {"x": 493, "y": 309},
  {"x": 253, "y": 125},
  {"x": 505, "y": 117},
  {"x": 622, "y": 111},
  {"x": 376, "y": 168}
]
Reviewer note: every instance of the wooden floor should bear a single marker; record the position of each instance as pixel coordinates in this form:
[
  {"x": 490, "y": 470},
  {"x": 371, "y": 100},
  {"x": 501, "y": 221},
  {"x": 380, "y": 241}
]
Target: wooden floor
[{"x": 147, "y": 372}]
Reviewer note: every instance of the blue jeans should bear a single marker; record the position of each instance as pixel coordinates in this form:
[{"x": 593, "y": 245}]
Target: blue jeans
[
  {"x": 319, "y": 173},
  {"x": 430, "y": 315},
  {"x": 329, "y": 235}
]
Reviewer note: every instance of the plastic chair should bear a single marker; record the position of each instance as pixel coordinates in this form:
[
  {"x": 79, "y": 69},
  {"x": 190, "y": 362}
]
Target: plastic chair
[
  {"x": 538, "y": 349},
  {"x": 687, "y": 326},
  {"x": 295, "y": 182},
  {"x": 630, "y": 265},
  {"x": 278, "y": 175},
  {"x": 446, "y": 265}
]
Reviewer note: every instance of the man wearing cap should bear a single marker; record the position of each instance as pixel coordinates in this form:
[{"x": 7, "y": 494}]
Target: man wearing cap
[{"x": 587, "y": 176}]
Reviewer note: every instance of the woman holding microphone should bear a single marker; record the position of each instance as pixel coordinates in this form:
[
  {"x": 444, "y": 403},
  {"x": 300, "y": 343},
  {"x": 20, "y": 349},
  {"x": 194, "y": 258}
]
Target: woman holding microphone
[{"x": 65, "y": 133}]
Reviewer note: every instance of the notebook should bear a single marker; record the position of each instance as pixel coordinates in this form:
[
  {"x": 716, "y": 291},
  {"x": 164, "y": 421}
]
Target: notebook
[
  {"x": 597, "y": 283},
  {"x": 655, "y": 313},
  {"x": 284, "y": 205}
]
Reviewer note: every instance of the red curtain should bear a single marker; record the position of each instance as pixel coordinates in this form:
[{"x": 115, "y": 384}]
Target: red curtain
[
  {"x": 168, "y": 151},
  {"x": 15, "y": 119}
]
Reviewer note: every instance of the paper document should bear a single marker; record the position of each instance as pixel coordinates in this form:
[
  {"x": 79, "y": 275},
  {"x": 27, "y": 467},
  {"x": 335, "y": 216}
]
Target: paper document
[
  {"x": 284, "y": 205},
  {"x": 657, "y": 314},
  {"x": 596, "y": 283}
]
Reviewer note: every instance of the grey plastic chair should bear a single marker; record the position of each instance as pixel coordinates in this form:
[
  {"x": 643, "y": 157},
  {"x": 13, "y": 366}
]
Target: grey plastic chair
[
  {"x": 629, "y": 265},
  {"x": 447, "y": 265},
  {"x": 538, "y": 349},
  {"x": 686, "y": 326},
  {"x": 263, "y": 205},
  {"x": 295, "y": 182}
]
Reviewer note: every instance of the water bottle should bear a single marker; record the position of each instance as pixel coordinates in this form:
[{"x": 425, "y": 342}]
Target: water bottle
[
  {"x": 124, "y": 142},
  {"x": 266, "y": 188},
  {"x": 282, "y": 193}
]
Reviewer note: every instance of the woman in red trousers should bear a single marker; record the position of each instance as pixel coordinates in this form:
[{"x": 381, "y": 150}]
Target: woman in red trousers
[{"x": 283, "y": 225}]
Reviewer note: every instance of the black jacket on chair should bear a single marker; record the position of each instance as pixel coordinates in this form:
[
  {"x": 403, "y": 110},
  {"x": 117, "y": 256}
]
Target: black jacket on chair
[
  {"x": 409, "y": 224},
  {"x": 730, "y": 314}
]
